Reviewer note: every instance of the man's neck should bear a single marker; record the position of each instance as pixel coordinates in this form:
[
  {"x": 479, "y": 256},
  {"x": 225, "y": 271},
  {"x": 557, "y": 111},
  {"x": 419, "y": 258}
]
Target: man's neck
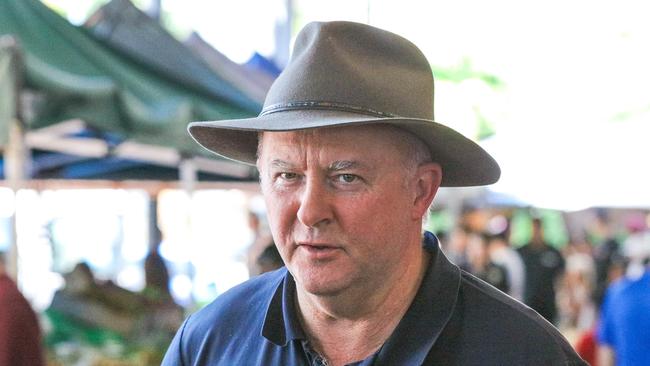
[{"x": 352, "y": 326}]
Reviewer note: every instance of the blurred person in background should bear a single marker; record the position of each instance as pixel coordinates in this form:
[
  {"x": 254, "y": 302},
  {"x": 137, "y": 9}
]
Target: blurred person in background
[
  {"x": 501, "y": 253},
  {"x": 156, "y": 277},
  {"x": 575, "y": 295},
  {"x": 607, "y": 253},
  {"x": 624, "y": 327},
  {"x": 577, "y": 309},
  {"x": 480, "y": 265},
  {"x": 636, "y": 247},
  {"x": 544, "y": 267},
  {"x": 260, "y": 242},
  {"x": 161, "y": 316},
  {"x": 156, "y": 274},
  {"x": 157, "y": 294},
  {"x": 20, "y": 332},
  {"x": 456, "y": 247},
  {"x": 269, "y": 260},
  {"x": 350, "y": 160}
]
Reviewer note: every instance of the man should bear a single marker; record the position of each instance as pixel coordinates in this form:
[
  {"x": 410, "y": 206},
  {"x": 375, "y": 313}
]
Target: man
[
  {"x": 544, "y": 265},
  {"x": 350, "y": 160},
  {"x": 20, "y": 333}
]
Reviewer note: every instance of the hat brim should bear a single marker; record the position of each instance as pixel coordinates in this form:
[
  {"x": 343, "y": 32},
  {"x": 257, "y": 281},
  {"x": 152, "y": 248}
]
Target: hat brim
[{"x": 463, "y": 162}]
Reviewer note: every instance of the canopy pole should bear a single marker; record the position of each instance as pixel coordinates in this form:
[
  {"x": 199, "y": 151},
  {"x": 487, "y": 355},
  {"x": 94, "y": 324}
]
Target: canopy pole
[
  {"x": 188, "y": 175},
  {"x": 15, "y": 153}
]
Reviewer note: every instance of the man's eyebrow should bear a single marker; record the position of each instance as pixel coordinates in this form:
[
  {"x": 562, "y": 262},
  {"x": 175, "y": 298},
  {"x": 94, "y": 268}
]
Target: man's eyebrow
[
  {"x": 345, "y": 164},
  {"x": 335, "y": 166},
  {"x": 281, "y": 164}
]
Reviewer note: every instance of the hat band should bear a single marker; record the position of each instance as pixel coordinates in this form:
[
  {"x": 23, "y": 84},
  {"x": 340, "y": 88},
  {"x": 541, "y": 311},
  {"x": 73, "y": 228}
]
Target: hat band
[{"x": 333, "y": 106}]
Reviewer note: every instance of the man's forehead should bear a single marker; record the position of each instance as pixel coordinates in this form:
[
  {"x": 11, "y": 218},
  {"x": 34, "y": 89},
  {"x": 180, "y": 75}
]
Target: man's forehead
[
  {"x": 333, "y": 134},
  {"x": 351, "y": 143}
]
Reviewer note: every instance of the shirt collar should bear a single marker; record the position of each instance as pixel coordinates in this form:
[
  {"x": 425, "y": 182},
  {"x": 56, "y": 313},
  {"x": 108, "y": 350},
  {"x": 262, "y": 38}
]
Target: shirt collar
[
  {"x": 281, "y": 323},
  {"x": 415, "y": 334},
  {"x": 429, "y": 313}
]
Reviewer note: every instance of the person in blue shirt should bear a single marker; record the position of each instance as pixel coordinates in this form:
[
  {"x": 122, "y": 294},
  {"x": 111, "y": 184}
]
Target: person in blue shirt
[
  {"x": 624, "y": 327},
  {"x": 350, "y": 159}
]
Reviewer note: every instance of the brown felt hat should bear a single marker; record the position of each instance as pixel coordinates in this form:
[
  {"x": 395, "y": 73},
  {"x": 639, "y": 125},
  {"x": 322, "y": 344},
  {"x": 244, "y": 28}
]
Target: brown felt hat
[{"x": 344, "y": 73}]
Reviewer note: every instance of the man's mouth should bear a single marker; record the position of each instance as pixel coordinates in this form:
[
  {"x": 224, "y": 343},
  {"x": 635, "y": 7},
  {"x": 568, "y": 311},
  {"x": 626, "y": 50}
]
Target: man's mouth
[{"x": 319, "y": 250}]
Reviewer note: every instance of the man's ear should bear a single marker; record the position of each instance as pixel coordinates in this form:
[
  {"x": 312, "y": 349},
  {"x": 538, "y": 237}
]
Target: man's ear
[{"x": 427, "y": 178}]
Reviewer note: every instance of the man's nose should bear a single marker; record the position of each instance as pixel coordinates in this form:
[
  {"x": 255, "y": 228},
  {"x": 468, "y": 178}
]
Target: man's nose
[{"x": 315, "y": 209}]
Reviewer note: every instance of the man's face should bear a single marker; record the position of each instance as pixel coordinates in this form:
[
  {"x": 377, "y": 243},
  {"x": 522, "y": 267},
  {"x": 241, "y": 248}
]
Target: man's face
[{"x": 340, "y": 204}]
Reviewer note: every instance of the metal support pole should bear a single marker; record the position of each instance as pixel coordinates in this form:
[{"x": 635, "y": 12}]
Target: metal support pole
[{"x": 155, "y": 236}]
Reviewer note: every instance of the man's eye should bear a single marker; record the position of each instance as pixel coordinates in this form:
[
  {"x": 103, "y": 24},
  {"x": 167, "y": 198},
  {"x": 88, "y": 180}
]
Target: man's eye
[
  {"x": 288, "y": 176},
  {"x": 346, "y": 178}
]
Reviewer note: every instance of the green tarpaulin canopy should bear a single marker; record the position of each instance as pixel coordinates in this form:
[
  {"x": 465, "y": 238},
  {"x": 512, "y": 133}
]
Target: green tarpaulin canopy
[
  {"x": 123, "y": 27},
  {"x": 70, "y": 75}
]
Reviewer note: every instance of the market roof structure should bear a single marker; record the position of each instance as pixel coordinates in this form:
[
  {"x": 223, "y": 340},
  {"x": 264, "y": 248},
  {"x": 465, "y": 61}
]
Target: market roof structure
[{"x": 70, "y": 89}]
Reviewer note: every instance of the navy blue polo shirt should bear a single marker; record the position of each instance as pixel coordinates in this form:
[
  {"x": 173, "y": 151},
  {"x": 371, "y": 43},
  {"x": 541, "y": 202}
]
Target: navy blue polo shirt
[{"x": 455, "y": 319}]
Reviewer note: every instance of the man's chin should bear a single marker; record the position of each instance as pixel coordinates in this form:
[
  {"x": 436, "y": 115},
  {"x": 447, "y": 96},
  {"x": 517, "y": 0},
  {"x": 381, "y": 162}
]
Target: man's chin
[{"x": 322, "y": 286}]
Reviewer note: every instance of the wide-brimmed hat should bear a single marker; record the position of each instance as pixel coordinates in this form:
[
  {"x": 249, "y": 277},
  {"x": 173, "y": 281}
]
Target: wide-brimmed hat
[{"x": 342, "y": 74}]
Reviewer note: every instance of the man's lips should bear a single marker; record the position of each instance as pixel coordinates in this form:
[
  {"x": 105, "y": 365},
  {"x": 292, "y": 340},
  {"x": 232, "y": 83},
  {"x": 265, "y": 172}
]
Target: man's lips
[
  {"x": 319, "y": 250},
  {"x": 318, "y": 245}
]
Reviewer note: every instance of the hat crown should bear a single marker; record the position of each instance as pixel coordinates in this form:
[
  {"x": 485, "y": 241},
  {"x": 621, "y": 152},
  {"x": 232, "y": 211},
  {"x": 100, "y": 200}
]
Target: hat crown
[{"x": 352, "y": 66}]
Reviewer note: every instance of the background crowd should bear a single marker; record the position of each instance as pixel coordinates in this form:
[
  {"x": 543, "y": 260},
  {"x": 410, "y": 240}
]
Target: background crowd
[{"x": 594, "y": 288}]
